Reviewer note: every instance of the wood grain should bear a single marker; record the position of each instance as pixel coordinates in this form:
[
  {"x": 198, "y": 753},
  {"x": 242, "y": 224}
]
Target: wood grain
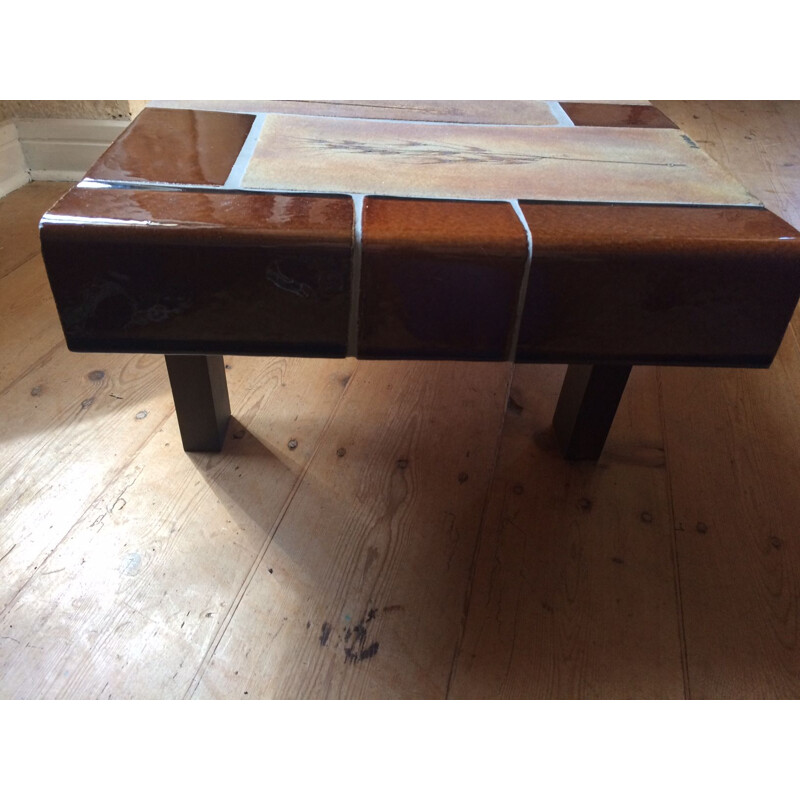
[
  {"x": 19, "y": 220},
  {"x": 147, "y": 568},
  {"x": 69, "y": 431},
  {"x": 574, "y": 594},
  {"x": 29, "y": 326},
  {"x": 733, "y": 444},
  {"x": 364, "y": 582}
]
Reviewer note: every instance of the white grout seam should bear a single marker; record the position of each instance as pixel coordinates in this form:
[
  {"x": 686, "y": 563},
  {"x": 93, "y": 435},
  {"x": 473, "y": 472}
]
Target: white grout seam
[
  {"x": 561, "y": 115},
  {"x": 523, "y": 289},
  {"x": 355, "y": 275},
  {"x": 155, "y": 186},
  {"x": 234, "y": 180}
]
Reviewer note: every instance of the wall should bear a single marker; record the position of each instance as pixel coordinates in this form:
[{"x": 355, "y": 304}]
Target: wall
[
  {"x": 57, "y": 139},
  {"x": 65, "y": 109}
]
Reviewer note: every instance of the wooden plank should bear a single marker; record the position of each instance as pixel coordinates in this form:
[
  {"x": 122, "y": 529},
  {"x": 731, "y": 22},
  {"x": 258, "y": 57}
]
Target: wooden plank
[
  {"x": 574, "y": 594},
  {"x": 29, "y": 326},
  {"x": 733, "y": 440},
  {"x": 146, "y": 567},
  {"x": 360, "y": 593},
  {"x": 20, "y": 213},
  {"x": 68, "y": 429}
]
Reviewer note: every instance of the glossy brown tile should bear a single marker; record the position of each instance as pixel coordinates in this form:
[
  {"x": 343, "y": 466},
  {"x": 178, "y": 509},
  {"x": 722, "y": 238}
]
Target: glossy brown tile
[
  {"x": 175, "y": 146},
  {"x": 658, "y": 284},
  {"x": 439, "y": 280},
  {"x": 609, "y": 115},
  {"x": 195, "y": 272}
]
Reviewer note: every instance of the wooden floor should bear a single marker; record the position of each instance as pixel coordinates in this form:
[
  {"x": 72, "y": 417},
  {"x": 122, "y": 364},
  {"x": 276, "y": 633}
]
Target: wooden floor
[{"x": 422, "y": 538}]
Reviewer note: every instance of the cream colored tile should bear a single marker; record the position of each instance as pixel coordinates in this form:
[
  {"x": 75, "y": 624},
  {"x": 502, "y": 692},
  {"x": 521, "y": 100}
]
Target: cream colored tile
[
  {"x": 497, "y": 112},
  {"x": 408, "y": 159}
]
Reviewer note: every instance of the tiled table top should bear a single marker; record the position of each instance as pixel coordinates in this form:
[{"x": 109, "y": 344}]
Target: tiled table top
[{"x": 386, "y": 229}]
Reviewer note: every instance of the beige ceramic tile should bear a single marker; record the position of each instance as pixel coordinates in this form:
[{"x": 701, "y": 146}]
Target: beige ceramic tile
[
  {"x": 491, "y": 162},
  {"x": 496, "y": 112}
]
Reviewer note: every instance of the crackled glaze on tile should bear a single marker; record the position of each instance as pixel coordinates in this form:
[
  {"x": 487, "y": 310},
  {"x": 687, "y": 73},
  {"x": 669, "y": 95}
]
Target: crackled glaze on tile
[
  {"x": 439, "y": 279},
  {"x": 664, "y": 285},
  {"x": 175, "y": 146},
  {"x": 173, "y": 272},
  {"x": 406, "y": 159}
]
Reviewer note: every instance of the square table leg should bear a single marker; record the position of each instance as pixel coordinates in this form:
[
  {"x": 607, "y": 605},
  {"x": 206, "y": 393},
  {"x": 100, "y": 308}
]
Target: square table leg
[
  {"x": 586, "y": 408},
  {"x": 200, "y": 393}
]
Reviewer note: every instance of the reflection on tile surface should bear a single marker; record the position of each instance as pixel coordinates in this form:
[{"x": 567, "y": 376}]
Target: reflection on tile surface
[
  {"x": 439, "y": 279},
  {"x": 647, "y": 284},
  {"x": 498, "y": 112},
  {"x": 174, "y": 146},
  {"x": 406, "y": 159},
  {"x": 139, "y": 271}
]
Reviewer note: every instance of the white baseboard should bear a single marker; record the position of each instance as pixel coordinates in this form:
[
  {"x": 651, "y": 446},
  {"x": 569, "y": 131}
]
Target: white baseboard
[
  {"x": 13, "y": 169},
  {"x": 64, "y": 149}
]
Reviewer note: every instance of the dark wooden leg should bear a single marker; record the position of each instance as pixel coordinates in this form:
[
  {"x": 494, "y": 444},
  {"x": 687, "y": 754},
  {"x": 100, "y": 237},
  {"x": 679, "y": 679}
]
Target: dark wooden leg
[
  {"x": 200, "y": 392},
  {"x": 586, "y": 407}
]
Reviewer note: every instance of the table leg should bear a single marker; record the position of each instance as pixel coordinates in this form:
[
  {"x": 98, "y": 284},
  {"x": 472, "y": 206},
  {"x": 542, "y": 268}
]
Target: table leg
[
  {"x": 586, "y": 407},
  {"x": 200, "y": 393}
]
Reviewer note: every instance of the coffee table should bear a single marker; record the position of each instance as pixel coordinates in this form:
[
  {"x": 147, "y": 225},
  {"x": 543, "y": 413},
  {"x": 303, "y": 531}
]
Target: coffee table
[{"x": 596, "y": 235}]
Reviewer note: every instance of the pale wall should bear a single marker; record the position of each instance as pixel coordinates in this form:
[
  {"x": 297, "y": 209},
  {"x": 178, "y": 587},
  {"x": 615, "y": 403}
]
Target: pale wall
[{"x": 68, "y": 109}]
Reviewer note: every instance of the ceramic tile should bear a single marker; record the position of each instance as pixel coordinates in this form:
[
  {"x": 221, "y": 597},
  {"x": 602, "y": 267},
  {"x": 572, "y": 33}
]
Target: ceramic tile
[
  {"x": 617, "y": 116},
  {"x": 498, "y": 112},
  {"x": 171, "y": 272},
  {"x": 439, "y": 280},
  {"x": 173, "y": 146},
  {"x": 407, "y": 159},
  {"x": 665, "y": 285},
  {"x": 611, "y": 102}
]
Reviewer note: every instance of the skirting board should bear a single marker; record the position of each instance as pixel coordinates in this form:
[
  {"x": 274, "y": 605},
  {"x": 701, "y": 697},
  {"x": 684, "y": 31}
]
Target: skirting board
[
  {"x": 13, "y": 169},
  {"x": 64, "y": 149}
]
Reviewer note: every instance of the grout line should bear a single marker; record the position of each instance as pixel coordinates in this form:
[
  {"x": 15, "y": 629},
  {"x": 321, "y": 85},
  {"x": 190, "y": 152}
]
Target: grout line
[
  {"x": 676, "y": 572},
  {"x": 210, "y": 188},
  {"x": 558, "y": 112},
  {"x": 523, "y": 288},
  {"x": 234, "y": 180},
  {"x": 479, "y": 538},
  {"x": 355, "y": 275},
  {"x": 226, "y": 621}
]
